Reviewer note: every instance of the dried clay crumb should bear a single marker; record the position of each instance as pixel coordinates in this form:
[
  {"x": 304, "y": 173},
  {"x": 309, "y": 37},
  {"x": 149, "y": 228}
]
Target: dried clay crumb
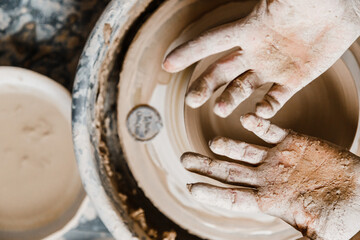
[
  {"x": 169, "y": 235},
  {"x": 152, "y": 233},
  {"x": 107, "y": 30},
  {"x": 139, "y": 217},
  {"x": 122, "y": 197}
]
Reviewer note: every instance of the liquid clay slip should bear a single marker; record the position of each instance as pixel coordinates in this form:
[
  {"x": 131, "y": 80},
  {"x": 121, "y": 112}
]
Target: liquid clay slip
[{"x": 40, "y": 188}]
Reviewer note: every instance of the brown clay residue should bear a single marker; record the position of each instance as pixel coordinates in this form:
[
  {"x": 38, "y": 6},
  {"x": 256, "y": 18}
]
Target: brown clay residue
[
  {"x": 315, "y": 173},
  {"x": 324, "y": 176},
  {"x": 139, "y": 217},
  {"x": 288, "y": 56},
  {"x": 269, "y": 2},
  {"x": 310, "y": 177},
  {"x": 169, "y": 235},
  {"x": 107, "y": 30}
]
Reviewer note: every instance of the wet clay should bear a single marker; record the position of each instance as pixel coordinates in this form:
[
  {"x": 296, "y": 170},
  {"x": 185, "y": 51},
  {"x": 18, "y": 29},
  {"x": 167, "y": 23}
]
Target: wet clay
[
  {"x": 38, "y": 173},
  {"x": 314, "y": 177},
  {"x": 329, "y": 103}
]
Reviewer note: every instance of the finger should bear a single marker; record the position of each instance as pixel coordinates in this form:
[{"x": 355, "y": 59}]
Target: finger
[
  {"x": 273, "y": 101},
  {"x": 243, "y": 200},
  {"x": 218, "y": 74},
  {"x": 236, "y": 92},
  {"x": 238, "y": 150},
  {"x": 214, "y": 41},
  {"x": 223, "y": 171},
  {"x": 263, "y": 128}
]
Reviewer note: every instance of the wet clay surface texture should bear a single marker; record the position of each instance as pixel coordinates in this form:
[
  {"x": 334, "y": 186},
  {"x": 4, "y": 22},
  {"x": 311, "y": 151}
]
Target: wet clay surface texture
[
  {"x": 309, "y": 183},
  {"x": 328, "y": 108}
]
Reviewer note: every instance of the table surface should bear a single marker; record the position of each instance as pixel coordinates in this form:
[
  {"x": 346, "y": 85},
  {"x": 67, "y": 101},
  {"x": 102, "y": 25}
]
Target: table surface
[{"x": 47, "y": 36}]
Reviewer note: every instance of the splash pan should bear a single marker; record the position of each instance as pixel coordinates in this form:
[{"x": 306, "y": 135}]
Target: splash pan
[{"x": 328, "y": 108}]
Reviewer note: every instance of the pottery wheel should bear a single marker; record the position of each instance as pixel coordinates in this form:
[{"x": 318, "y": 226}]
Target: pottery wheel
[{"x": 328, "y": 108}]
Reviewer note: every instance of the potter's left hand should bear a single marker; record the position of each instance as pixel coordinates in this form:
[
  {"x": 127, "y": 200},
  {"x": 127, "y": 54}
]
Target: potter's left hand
[
  {"x": 311, "y": 184},
  {"x": 285, "y": 42}
]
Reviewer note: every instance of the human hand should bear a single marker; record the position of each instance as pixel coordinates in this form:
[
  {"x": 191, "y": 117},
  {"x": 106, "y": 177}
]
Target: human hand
[
  {"x": 288, "y": 43},
  {"x": 311, "y": 184}
]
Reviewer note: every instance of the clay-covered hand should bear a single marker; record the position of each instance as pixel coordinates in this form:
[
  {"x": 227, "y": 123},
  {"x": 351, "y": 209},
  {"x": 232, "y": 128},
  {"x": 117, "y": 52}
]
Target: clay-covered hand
[
  {"x": 311, "y": 184},
  {"x": 285, "y": 42}
]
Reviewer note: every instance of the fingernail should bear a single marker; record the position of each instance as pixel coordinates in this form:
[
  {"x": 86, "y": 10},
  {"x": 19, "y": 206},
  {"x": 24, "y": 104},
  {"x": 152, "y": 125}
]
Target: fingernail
[
  {"x": 247, "y": 119},
  {"x": 184, "y": 156},
  {"x": 243, "y": 118},
  {"x": 187, "y": 160},
  {"x": 166, "y": 65},
  {"x": 193, "y": 100},
  {"x": 169, "y": 66},
  {"x": 220, "y": 109},
  {"x": 264, "y": 110}
]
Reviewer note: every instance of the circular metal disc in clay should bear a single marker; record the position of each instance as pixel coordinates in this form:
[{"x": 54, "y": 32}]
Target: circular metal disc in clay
[{"x": 144, "y": 123}]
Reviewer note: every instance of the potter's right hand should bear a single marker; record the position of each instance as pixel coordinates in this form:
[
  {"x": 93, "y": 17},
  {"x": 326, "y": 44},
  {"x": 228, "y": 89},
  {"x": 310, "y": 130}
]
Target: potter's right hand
[{"x": 286, "y": 42}]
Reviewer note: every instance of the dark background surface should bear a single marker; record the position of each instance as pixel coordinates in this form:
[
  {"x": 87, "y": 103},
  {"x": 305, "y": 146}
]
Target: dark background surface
[{"x": 47, "y": 36}]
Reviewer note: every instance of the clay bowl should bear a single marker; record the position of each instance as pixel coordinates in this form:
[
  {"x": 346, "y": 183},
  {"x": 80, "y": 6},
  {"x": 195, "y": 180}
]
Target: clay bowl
[{"x": 138, "y": 188}]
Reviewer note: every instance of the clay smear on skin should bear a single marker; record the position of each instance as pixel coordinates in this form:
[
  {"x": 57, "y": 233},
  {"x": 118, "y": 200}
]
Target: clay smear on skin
[{"x": 311, "y": 169}]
